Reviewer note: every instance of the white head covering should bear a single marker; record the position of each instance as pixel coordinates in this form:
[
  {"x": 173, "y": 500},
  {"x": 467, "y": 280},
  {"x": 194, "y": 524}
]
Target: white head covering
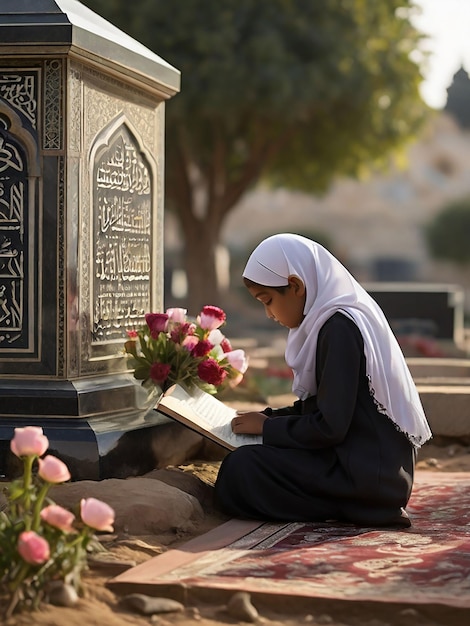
[{"x": 331, "y": 288}]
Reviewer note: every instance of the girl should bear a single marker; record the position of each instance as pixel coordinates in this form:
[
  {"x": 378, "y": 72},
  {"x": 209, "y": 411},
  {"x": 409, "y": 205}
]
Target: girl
[{"x": 346, "y": 449}]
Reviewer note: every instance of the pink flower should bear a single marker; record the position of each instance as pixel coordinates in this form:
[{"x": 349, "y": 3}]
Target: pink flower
[
  {"x": 180, "y": 331},
  {"x": 159, "y": 372},
  {"x": 202, "y": 348},
  {"x": 177, "y": 316},
  {"x": 32, "y": 548},
  {"x": 215, "y": 337},
  {"x": 189, "y": 342},
  {"x": 131, "y": 347},
  {"x": 237, "y": 360},
  {"x": 29, "y": 441},
  {"x": 236, "y": 380},
  {"x": 210, "y": 372},
  {"x": 157, "y": 322},
  {"x": 211, "y": 317},
  {"x": 53, "y": 470},
  {"x": 57, "y": 516},
  {"x": 226, "y": 345},
  {"x": 97, "y": 514},
  {"x": 132, "y": 334}
]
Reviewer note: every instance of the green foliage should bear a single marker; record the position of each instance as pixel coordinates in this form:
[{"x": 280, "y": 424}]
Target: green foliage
[
  {"x": 329, "y": 84},
  {"x": 448, "y": 234}
]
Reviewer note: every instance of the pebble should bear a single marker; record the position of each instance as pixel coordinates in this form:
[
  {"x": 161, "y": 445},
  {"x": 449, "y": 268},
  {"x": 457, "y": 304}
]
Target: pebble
[
  {"x": 241, "y": 607},
  {"x": 194, "y": 613},
  {"x": 62, "y": 594},
  {"x": 149, "y": 605},
  {"x": 324, "y": 619},
  {"x": 409, "y": 613}
]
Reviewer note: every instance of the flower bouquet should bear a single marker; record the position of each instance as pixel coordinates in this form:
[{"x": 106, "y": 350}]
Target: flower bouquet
[
  {"x": 174, "y": 349},
  {"x": 43, "y": 548}
]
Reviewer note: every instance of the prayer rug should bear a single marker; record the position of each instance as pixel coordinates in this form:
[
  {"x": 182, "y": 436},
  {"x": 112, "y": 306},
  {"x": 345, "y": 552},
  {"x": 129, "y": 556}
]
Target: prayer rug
[{"x": 427, "y": 563}]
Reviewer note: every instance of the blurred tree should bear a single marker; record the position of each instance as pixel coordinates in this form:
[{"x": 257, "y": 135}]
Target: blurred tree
[
  {"x": 294, "y": 91},
  {"x": 448, "y": 234}
]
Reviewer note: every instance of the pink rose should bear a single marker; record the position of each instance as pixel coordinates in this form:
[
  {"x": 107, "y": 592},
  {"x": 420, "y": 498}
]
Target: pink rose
[
  {"x": 159, "y": 372},
  {"x": 97, "y": 514},
  {"x": 202, "y": 348},
  {"x": 157, "y": 322},
  {"x": 211, "y": 317},
  {"x": 29, "y": 441},
  {"x": 57, "y": 516},
  {"x": 237, "y": 360},
  {"x": 210, "y": 372},
  {"x": 177, "y": 316},
  {"x": 53, "y": 470},
  {"x": 32, "y": 548}
]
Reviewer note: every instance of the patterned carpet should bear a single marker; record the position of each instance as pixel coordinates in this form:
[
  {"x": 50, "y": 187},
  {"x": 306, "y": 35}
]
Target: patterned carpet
[{"x": 427, "y": 563}]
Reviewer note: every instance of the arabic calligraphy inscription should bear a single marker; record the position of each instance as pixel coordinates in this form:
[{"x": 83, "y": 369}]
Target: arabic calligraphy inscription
[{"x": 122, "y": 208}]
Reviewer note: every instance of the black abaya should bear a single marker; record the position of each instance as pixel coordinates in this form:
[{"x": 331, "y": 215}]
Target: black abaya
[{"x": 332, "y": 456}]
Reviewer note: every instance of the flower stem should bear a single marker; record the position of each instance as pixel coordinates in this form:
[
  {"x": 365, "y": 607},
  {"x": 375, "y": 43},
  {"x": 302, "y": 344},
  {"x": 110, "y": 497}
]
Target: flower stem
[
  {"x": 27, "y": 477},
  {"x": 38, "y": 506}
]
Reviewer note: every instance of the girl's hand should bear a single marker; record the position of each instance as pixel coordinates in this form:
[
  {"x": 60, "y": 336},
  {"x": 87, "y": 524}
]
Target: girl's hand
[{"x": 250, "y": 423}]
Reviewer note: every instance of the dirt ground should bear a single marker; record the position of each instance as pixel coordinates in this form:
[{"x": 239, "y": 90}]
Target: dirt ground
[{"x": 102, "y": 607}]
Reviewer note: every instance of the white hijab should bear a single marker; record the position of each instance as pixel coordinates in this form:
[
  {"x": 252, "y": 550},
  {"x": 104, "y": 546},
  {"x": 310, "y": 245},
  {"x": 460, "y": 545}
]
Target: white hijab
[{"x": 331, "y": 288}]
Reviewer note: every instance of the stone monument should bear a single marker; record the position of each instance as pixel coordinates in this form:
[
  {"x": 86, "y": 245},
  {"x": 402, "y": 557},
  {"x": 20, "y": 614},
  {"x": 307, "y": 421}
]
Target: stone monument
[{"x": 81, "y": 231}]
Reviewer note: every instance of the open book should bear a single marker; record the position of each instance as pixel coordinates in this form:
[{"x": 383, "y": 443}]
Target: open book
[{"x": 205, "y": 414}]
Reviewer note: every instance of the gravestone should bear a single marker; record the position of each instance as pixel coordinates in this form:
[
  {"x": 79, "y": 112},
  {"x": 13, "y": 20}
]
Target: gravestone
[
  {"x": 433, "y": 310},
  {"x": 81, "y": 231}
]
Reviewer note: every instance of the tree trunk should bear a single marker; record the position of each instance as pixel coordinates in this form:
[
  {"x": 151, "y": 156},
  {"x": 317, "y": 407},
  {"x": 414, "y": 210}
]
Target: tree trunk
[{"x": 200, "y": 265}]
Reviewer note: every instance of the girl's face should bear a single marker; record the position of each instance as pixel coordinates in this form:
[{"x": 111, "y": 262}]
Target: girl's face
[{"x": 285, "y": 307}]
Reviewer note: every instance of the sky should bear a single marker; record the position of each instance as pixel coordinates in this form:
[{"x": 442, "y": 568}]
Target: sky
[{"x": 447, "y": 22}]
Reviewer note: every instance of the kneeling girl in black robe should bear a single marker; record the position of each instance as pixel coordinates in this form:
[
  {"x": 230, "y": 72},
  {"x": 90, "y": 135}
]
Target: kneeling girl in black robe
[{"x": 346, "y": 449}]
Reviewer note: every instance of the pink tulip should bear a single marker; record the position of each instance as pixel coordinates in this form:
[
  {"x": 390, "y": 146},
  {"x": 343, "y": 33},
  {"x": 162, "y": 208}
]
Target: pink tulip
[
  {"x": 189, "y": 342},
  {"x": 157, "y": 322},
  {"x": 29, "y": 441},
  {"x": 233, "y": 382},
  {"x": 211, "y": 317},
  {"x": 226, "y": 345},
  {"x": 237, "y": 360},
  {"x": 32, "y": 548},
  {"x": 177, "y": 316},
  {"x": 57, "y": 516},
  {"x": 53, "y": 470},
  {"x": 216, "y": 337},
  {"x": 97, "y": 514},
  {"x": 180, "y": 332}
]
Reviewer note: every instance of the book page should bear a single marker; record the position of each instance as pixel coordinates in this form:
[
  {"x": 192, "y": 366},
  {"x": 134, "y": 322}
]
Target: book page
[{"x": 205, "y": 411}]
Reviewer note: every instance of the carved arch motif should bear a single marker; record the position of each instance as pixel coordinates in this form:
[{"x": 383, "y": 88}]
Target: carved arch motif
[
  {"x": 123, "y": 199},
  {"x": 19, "y": 170}
]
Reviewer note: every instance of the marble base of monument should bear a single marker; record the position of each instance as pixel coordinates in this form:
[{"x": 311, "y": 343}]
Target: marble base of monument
[{"x": 100, "y": 427}]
